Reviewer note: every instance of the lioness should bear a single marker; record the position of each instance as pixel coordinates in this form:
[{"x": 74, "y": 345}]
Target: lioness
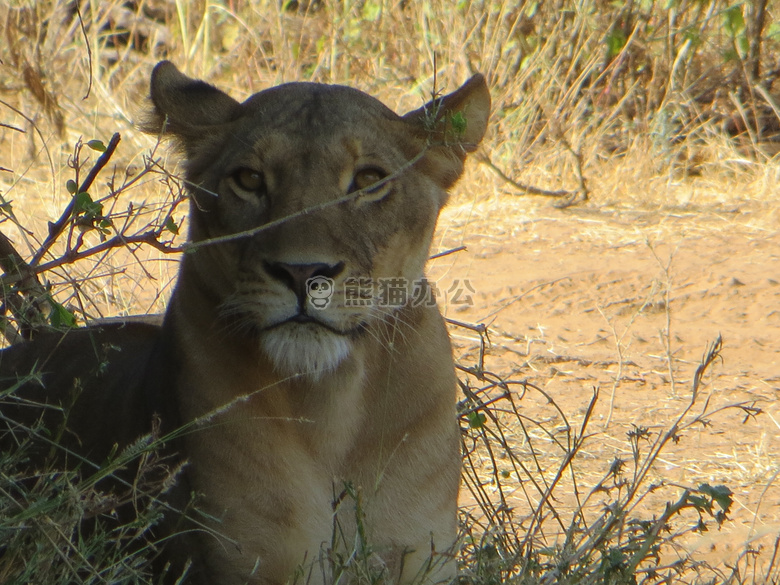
[{"x": 301, "y": 334}]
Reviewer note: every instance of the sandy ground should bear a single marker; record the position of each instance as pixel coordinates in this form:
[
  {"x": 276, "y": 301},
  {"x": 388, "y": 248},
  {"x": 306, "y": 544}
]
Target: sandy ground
[{"x": 627, "y": 302}]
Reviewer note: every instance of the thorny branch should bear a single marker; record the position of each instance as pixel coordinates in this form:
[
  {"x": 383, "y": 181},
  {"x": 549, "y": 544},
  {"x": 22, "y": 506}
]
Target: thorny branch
[{"x": 24, "y": 296}]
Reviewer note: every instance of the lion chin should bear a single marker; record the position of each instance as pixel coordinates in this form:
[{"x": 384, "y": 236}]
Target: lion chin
[{"x": 304, "y": 349}]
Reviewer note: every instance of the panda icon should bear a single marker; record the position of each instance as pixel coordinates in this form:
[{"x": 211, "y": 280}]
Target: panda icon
[{"x": 319, "y": 290}]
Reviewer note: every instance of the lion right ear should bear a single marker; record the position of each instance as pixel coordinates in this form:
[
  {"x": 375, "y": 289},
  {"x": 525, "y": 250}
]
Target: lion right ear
[
  {"x": 183, "y": 106},
  {"x": 457, "y": 120},
  {"x": 453, "y": 126}
]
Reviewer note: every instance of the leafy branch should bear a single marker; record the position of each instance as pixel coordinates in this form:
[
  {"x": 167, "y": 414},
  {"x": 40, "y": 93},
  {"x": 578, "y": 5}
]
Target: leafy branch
[{"x": 27, "y": 303}]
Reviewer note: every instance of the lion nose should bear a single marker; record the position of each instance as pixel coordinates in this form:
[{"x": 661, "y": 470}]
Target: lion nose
[{"x": 295, "y": 276}]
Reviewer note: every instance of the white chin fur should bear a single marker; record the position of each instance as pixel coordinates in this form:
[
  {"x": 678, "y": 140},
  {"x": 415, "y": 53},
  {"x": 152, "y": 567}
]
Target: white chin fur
[{"x": 304, "y": 349}]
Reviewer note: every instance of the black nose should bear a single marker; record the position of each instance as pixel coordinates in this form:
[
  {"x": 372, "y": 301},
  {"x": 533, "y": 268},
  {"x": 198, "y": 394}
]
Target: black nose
[{"x": 295, "y": 276}]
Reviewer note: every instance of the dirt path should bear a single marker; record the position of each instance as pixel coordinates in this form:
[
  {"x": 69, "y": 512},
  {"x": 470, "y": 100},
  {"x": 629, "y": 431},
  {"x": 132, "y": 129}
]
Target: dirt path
[{"x": 608, "y": 299}]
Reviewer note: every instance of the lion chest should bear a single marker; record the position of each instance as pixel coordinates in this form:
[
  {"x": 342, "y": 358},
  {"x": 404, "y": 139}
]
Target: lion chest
[
  {"x": 283, "y": 464},
  {"x": 272, "y": 468}
]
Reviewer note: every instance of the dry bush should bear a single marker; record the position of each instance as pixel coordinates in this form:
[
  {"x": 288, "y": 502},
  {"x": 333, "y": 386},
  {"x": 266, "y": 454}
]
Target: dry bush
[{"x": 534, "y": 517}]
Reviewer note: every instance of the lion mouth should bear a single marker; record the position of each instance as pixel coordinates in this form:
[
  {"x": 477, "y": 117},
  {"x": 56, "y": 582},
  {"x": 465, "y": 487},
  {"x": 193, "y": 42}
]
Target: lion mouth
[
  {"x": 306, "y": 319},
  {"x": 301, "y": 318}
]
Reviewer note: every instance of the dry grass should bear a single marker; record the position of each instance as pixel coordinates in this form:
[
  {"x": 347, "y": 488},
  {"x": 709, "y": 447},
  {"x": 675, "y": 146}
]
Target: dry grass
[{"x": 631, "y": 110}]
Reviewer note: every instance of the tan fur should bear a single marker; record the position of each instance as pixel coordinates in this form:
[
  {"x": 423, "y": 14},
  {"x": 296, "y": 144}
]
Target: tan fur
[{"x": 293, "y": 410}]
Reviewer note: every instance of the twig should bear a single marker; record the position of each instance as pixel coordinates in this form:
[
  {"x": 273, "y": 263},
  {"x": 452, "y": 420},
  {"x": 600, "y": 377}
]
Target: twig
[
  {"x": 37, "y": 131},
  {"x": 712, "y": 354},
  {"x": 4, "y": 125},
  {"x": 478, "y": 328},
  {"x": 447, "y": 252},
  {"x": 523, "y": 294},
  {"x": 755, "y": 27},
  {"x": 619, "y": 348},
  {"x": 56, "y": 228},
  {"x": 573, "y": 448},
  {"x": 88, "y": 46},
  {"x": 149, "y": 237},
  {"x": 583, "y": 192},
  {"x": 529, "y": 189},
  {"x": 666, "y": 334}
]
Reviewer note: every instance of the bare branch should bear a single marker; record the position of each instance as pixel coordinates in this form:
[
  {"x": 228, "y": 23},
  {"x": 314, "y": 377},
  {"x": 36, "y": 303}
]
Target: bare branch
[
  {"x": 56, "y": 228},
  {"x": 568, "y": 197}
]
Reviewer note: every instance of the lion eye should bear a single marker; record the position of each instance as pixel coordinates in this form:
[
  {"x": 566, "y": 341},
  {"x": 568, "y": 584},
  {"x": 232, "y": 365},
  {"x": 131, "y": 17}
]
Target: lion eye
[
  {"x": 249, "y": 179},
  {"x": 365, "y": 178}
]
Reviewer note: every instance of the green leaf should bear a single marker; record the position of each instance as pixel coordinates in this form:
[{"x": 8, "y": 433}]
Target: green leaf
[
  {"x": 60, "y": 316},
  {"x": 372, "y": 10},
  {"x": 720, "y": 494},
  {"x": 476, "y": 419},
  {"x": 458, "y": 122},
  {"x": 693, "y": 37},
  {"x": 97, "y": 145},
  {"x": 103, "y": 227},
  {"x": 84, "y": 205},
  {"x": 742, "y": 43},
  {"x": 82, "y": 201},
  {"x": 733, "y": 21},
  {"x": 321, "y": 44},
  {"x": 700, "y": 503},
  {"x": 615, "y": 43},
  {"x": 71, "y": 186},
  {"x": 171, "y": 226}
]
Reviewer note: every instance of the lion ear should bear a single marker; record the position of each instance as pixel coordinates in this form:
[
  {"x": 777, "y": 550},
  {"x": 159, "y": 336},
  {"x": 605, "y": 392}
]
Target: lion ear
[
  {"x": 183, "y": 106},
  {"x": 452, "y": 126},
  {"x": 457, "y": 120}
]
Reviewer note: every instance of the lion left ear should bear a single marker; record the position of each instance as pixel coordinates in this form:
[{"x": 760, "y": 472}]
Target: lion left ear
[
  {"x": 457, "y": 120},
  {"x": 185, "y": 107}
]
